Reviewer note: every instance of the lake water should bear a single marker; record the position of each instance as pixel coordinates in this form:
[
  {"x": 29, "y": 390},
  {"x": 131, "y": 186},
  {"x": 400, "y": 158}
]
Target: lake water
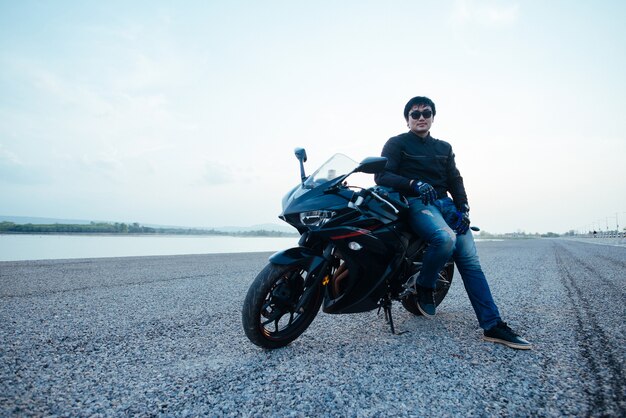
[{"x": 43, "y": 247}]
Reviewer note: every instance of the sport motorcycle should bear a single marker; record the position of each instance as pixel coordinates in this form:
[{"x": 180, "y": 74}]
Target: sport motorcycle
[{"x": 356, "y": 253}]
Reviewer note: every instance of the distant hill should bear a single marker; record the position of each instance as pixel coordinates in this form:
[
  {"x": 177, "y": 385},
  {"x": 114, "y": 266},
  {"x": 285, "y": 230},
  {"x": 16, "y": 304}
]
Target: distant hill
[
  {"x": 35, "y": 220},
  {"x": 262, "y": 227},
  {"x": 20, "y": 220}
]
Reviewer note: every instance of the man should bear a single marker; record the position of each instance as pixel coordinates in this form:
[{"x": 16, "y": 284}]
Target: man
[{"x": 423, "y": 168}]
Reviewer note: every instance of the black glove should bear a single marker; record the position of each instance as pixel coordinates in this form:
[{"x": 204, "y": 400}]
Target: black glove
[
  {"x": 425, "y": 191},
  {"x": 461, "y": 220}
]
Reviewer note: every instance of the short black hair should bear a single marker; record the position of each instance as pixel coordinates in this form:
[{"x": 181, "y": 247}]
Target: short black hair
[{"x": 418, "y": 100}]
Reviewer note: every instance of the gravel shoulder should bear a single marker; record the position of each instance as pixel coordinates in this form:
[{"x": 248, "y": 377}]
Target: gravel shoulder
[{"x": 163, "y": 336}]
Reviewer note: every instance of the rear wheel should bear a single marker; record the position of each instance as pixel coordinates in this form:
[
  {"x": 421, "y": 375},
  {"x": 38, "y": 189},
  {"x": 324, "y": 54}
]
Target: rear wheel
[
  {"x": 441, "y": 290},
  {"x": 278, "y": 306}
]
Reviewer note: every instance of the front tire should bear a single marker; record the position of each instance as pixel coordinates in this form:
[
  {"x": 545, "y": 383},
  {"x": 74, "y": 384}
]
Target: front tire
[
  {"x": 441, "y": 290},
  {"x": 270, "y": 315}
]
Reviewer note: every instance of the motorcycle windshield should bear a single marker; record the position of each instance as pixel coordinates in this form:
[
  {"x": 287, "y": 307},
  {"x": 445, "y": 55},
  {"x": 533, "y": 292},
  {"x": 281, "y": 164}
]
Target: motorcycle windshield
[{"x": 337, "y": 166}]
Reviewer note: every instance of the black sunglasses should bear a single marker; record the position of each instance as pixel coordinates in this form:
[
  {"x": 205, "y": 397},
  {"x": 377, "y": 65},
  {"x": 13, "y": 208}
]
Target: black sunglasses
[{"x": 426, "y": 113}]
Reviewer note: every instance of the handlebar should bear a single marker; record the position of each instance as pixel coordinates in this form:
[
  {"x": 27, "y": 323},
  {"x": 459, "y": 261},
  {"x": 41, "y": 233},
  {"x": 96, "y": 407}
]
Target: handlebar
[
  {"x": 363, "y": 193},
  {"x": 403, "y": 206},
  {"x": 380, "y": 199}
]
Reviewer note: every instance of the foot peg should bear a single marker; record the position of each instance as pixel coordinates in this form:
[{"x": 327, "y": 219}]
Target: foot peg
[{"x": 410, "y": 286}]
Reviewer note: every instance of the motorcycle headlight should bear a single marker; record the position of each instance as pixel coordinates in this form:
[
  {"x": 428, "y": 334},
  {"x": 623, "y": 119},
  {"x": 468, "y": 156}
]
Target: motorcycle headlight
[{"x": 316, "y": 218}]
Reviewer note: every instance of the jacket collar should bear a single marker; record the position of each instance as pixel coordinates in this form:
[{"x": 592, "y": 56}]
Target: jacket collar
[{"x": 419, "y": 138}]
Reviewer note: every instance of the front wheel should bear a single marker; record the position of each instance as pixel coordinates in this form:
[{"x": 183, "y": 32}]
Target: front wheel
[
  {"x": 278, "y": 306},
  {"x": 441, "y": 290}
]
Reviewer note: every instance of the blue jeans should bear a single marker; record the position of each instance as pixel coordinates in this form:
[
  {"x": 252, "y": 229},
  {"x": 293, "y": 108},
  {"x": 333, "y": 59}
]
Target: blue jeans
[{"x": 429, "y": 221}]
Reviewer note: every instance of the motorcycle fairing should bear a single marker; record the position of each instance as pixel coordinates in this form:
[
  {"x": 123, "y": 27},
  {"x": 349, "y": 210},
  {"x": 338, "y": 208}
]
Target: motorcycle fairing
[
  {"x": 359, "y": 296},
  {"x": 298, "y": 256},
  {"x": 369, "y": 268},
  {"x": 296, "y": 201}
]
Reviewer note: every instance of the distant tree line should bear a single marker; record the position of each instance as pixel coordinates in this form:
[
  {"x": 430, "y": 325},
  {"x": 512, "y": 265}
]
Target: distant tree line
[
  {"x": 123, "y": 228},
  {"x": 519, "y": 234}
]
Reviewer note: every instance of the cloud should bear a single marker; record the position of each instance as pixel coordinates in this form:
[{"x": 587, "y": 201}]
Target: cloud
[
  {"x": 216, "y": 173},
  {"x": 485, "y": 12},
  {"x": 101, "y": 167},
  {"x": 14, "y": 171}
]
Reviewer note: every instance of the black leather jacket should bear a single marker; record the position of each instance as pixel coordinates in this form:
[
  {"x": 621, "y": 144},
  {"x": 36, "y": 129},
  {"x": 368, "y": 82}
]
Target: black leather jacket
[{"x": 410, "y": 157}]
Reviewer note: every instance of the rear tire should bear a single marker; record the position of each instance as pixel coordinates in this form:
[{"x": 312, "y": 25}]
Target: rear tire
[
  {"x": 269, "y": 315},
  {"x": 441, "y": 290}
]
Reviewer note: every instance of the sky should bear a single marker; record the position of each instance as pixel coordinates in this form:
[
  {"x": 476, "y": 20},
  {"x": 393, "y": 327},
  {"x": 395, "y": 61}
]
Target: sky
[{"x": 187, "y": 113}]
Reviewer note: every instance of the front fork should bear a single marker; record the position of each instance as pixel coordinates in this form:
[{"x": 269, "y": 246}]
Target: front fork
[{"x": 317, "y": 270}]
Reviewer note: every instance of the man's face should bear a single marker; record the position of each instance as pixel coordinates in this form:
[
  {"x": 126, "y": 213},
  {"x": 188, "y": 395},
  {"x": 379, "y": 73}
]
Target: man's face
[{"x": 418, "y": 122}]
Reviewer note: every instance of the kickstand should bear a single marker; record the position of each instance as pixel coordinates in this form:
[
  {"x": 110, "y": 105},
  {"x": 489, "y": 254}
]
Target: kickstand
[
  {"x": 389, "y": 318},
  {"x": 385, "y": 305}
]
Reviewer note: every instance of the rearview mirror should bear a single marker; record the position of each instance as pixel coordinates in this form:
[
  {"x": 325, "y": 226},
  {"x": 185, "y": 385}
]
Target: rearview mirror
[
  {"x": 372, "y": 165},
  {"x": 300, "y": 154}
]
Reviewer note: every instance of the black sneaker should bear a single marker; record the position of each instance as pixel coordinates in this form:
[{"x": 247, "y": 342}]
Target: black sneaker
[
  {"x": 426, "y": 301},
  {"x": 501, "y": 333}
]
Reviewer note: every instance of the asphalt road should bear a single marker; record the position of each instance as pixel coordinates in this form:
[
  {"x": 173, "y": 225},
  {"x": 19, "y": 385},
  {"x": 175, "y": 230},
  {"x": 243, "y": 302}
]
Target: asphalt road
[{"x": 163, "y": 336}]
